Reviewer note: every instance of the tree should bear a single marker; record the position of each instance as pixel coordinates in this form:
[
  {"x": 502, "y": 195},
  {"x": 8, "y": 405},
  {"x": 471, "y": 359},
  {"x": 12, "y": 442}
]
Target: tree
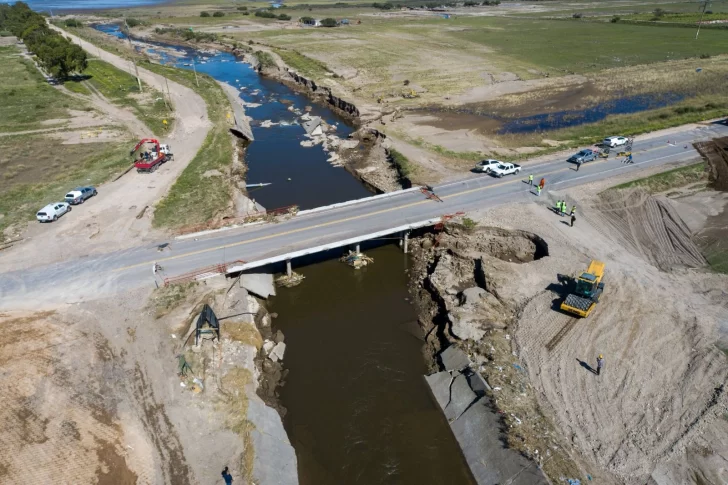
[
  {"x": 218, "y": 14},
  {"x": 204, "y": 14},
  {"x": 329, "y": 22},
  {"x": 132, "y": 22},
  {"x": 284, "y": 17},
  {"x": 243, "y": 9}
]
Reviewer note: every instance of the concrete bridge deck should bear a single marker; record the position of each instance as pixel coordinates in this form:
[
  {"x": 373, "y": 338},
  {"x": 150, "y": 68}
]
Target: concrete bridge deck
[{"x": 324, "y": 228}]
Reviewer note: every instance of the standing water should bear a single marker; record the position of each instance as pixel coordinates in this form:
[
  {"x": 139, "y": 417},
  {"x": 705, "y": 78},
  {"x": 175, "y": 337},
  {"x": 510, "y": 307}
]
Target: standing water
[
  {"x": 298, "y": 175},
  {"x": 359, "y": 411}
]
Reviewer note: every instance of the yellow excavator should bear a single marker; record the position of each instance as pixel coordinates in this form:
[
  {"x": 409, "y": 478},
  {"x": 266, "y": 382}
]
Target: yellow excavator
[{"x": 589, "y": 287}]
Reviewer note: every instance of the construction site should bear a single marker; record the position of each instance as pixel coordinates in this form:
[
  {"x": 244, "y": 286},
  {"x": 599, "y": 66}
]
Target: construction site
[{"x": 264, "y": 280}]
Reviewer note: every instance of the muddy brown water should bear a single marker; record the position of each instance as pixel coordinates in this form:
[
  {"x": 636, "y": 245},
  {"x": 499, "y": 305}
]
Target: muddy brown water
[{"x": 359, "y": 410}]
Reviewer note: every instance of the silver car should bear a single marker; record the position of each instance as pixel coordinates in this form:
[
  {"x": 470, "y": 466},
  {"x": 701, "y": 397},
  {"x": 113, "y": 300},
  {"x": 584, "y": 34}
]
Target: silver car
[{"x": 79, "y": 195}]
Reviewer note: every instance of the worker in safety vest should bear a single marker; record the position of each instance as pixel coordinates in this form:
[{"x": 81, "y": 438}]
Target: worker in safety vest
[
  {"x": 530, "y": 179},
  {"x": 573, "y": 210}
]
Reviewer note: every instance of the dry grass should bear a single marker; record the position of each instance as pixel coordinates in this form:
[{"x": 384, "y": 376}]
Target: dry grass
[
  {"x": 166, "y": 298},
  {"x": 242, "y": 332},
  {"x": 235, "y": 409}
]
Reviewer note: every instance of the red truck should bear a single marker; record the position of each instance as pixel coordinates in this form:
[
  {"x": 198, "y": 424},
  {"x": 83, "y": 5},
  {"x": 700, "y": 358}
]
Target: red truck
[{"x": 149, "y": 155}]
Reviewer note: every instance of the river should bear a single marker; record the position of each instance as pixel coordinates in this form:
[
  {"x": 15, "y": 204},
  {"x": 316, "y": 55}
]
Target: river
[
  {"x": 359, "y": 410},
  {"x": 298, "y": 175}
]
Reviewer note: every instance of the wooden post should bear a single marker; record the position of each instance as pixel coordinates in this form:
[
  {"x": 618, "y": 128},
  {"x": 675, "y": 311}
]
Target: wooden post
[
  {"x": 197, "y": 81},
  {"x": 136, "y": 70}
]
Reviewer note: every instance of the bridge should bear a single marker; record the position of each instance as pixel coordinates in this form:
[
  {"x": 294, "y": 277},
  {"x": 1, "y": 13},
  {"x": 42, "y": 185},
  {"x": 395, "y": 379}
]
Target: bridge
[{"x": 325, "y": 228}]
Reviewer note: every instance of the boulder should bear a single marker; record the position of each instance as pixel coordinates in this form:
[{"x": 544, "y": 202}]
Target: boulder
[
  {"x": 279, "y": 337},
  {"x": 278, "y": 352},
  {"x": 464, "y": 327},
  {"x": 471, "y": 295},
  {"x": 454, "y": 359}
]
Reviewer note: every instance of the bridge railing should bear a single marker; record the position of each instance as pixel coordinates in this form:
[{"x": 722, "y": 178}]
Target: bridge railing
[
  {"x": 269, "y": 215},
  {"x": 197, "y": 274}
]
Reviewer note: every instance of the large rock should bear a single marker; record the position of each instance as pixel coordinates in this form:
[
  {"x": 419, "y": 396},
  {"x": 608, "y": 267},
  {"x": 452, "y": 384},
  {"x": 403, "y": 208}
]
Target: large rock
[
  {"x": 260, "y": 284},
  {"x": 278, "y": 351},
  {"x": 471, "y": 295},
  {"x": 461, "y": 398},
  {"x": 454, "y": 359},
  {"x": 465, "y": 327}
]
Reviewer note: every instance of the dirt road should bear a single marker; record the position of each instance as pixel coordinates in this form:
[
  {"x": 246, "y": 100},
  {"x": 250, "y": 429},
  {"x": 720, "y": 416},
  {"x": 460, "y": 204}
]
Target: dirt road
[{"x": 109, "y": 221}]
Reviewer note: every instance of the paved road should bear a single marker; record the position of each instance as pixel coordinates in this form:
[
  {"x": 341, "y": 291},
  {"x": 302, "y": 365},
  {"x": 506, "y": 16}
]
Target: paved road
[{"x": 96, "y": 275}]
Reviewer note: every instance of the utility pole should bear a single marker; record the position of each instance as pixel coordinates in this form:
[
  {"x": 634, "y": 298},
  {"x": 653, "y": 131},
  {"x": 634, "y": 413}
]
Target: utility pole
[
  {"x": 136, "y": 70},
  {"x": 195, "y": 70},
  {"x": 169, "y": 96},
  {"x": 702, "y": 14}
]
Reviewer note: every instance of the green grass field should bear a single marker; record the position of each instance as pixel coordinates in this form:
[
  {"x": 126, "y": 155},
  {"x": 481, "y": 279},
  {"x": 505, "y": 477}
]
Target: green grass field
[
  {"x": 26, "y": 99},
  {"x": 195, "y": 199},
  {"x": 33, "y": 175},
  {"x": 121, "y": 88}
]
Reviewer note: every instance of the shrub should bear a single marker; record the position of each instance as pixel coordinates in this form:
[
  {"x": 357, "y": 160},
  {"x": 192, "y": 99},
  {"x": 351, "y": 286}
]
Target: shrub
[
  {"x": 204, "y": 14},
  {"x": 218, "y": 14},
  {"x": 307, "y": 20},
  {"x": 74, "y": 23},
  {"x": 329, "y": 22},
  {"x": 615, "y": 19},
  {"x": 246, "y": 13},
  {"x": 401, "y": 163},
  {"x": 658, "y": 12},
  {"x": 470, "y": 3},
  {"x": 469, "y": 224},
  {"x": 243, "y": 9},
  {"x": 132, "y": 22},
  {"x": 705, "y": 56},
  {"x": 265, "y": 14},
  {"x": 577, "y": 15},
  {"x": 265, "y": 59},
  {"x": 383, "y": 6},
  {"x": 284, "y": 17}
]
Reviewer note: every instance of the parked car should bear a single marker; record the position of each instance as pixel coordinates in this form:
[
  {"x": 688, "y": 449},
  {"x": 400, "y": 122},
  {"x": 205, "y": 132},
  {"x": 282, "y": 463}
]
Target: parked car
[
  {"x": 615, "y": 141},
  {"x": 52, "y": 212},
  {"x": 79, "y": 195},
  {"x": 586, "y": 155},
  {"x": 505, "y": 169},
  {"x": 486, "y": 165}
]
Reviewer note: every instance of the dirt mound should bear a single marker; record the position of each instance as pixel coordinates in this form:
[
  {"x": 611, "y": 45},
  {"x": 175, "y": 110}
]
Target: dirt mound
[
  {"x": 647, "y": 226},
  {"x": 513, "y": 246},
  {"x": 715, "y": 152}
]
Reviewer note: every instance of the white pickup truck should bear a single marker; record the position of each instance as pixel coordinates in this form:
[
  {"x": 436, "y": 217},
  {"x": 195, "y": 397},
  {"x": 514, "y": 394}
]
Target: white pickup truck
[{"x": 505, "y": 169}]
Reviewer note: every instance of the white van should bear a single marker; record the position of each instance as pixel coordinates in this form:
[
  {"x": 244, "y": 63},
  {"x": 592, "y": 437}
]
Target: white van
[{"x": 52, "y": 212}]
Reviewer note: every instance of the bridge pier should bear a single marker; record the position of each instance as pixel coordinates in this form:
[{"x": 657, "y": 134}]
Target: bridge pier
[
  {"x": 405, "y": 242},
  {"x": 358, "y": 248},
  {"x": 289, "y": 269}
]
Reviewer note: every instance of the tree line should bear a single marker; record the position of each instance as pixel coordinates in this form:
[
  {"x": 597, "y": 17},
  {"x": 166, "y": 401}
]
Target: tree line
[{"x": 56, "y": 54}]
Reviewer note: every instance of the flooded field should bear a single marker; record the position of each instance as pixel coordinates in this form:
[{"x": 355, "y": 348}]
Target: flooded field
[{"x": 541, "y": 115}]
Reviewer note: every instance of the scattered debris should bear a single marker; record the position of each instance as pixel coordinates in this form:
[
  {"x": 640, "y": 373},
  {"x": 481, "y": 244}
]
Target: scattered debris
[
  {"x": 356, "y": 260},
  {"x": 290, "y": 281}
]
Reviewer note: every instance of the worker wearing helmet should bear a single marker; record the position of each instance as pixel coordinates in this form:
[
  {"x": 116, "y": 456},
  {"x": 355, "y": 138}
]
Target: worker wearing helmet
[{"x": 600, "y": 363}]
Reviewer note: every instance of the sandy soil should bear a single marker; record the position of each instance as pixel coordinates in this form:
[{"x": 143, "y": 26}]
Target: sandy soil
[
  {"x": 109, "y": 221},
  {"x": 657, "y": 413},
  {"x": 91, "y": 394}
]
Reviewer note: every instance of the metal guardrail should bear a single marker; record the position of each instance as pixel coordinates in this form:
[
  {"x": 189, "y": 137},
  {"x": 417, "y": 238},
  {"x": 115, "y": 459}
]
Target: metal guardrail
[{"x": 212, "y": 270}]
